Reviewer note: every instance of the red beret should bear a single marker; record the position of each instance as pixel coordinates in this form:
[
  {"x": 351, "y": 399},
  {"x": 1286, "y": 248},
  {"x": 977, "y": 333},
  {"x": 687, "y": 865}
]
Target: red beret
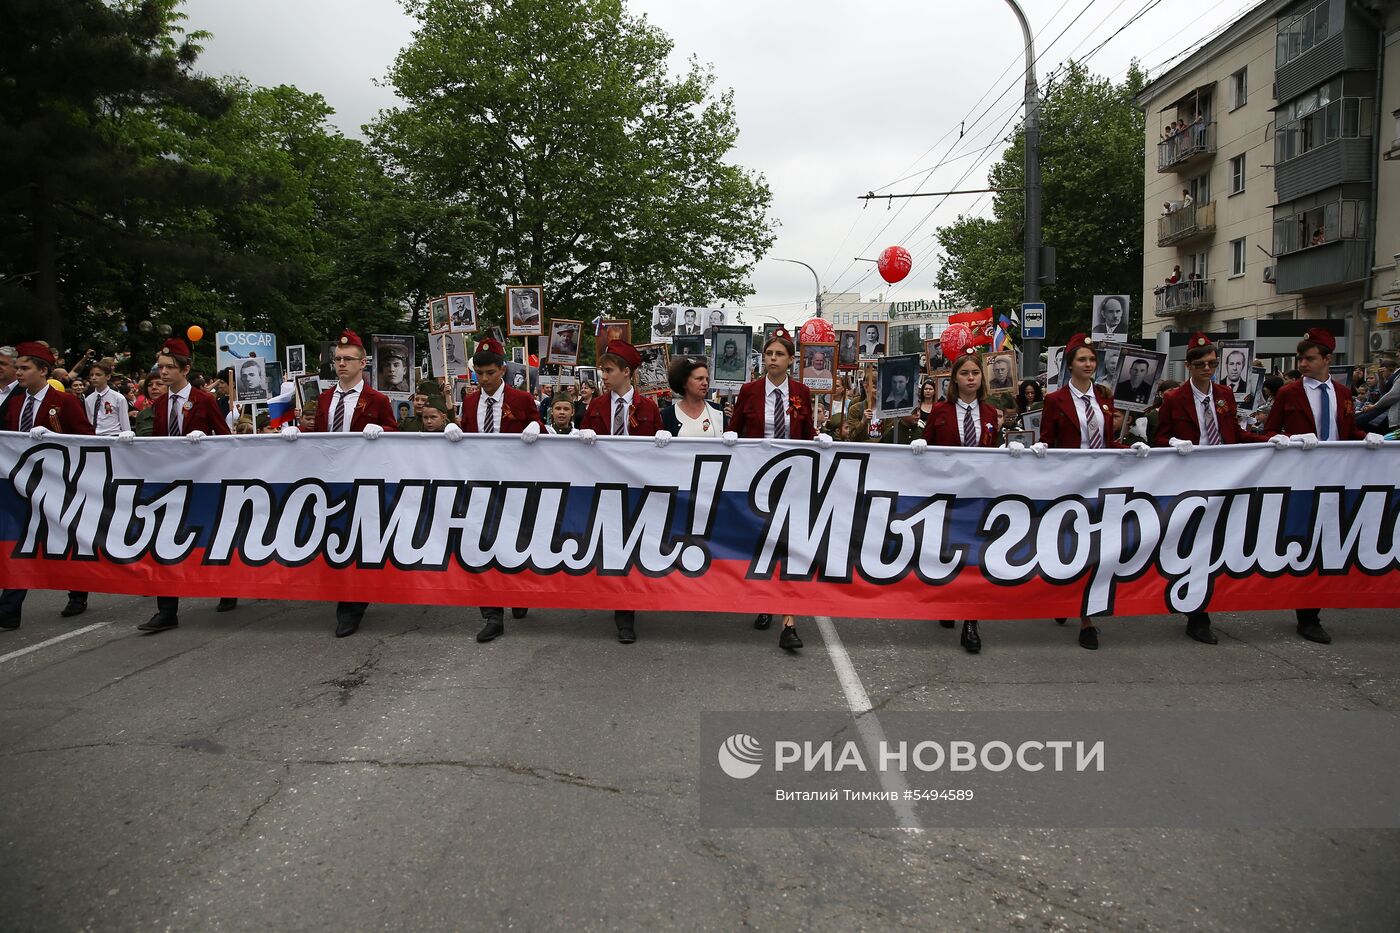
[
  {"x": 626, "y": 352},
  {"x": 1322, "y": 337},
  {"x": 969, "y": 351},
  {"x": 176, "y": 347},
  {"x": 349, "y": 338},
  {"x": 1077, "y": 341},
  {"x": 1198, "y": 339},
  {"x": 37, "y": 350},
  {"x": 491, "y": 345}
]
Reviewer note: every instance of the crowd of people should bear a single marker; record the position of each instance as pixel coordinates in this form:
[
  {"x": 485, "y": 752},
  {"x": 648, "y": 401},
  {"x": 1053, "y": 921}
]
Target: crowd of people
[{"x": 1304, "y": 405}]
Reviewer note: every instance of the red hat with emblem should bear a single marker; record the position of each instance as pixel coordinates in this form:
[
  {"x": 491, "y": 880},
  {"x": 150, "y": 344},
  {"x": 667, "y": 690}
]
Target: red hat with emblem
[
  {"x": 1322, "y": 337},
  {"x": 176, "y": 347},
  {"x": 969, "y": 351},
  {"x": 489, "y": 352},
  {"x": 625, "y": 352},
  {"x": 37, "y": 350},
  {"x": 348, "y": 338},
  {"x": 1199, "y": 339},
  {"x": 1077, "y": 341}
]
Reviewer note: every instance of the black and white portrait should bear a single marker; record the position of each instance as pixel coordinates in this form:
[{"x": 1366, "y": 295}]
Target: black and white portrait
[
  {"x": 690, "y": 345},
  {"x": 847, "y": 349},
  {"x": 651, "y": 375},
  {"x": 1111, "y": 317},
  {"x": 525, "y": 305},
  {"x": 586, "y": 374},
  {"x": 1107, "y": 373},
  {"x": 897, "y": 385},
  {"x": 872, "y": 338},
  {"x": 663, "y": 322},
  {"x": 1030, "y": 421},
  {"x": 308, "y": 389},
  {"x": 461, "y": 311},
  {"x": 941, "y": 378},
  {"x": 690, "y": 324},
  {"x": 393, "y": 362},
  {"x": 518, "y": 376},
  {"x": 438, "y": 320},
  {"x": 1255, "y": 397},
  {"x": 1137, "y": 378},
  {"x": 449, "y": 354},
  {"x": 999, "y": 369},
  {"x": 296, "y": 359},
  {"x": 1054, "y": 368},
  {"x": 461, "y": 388},
  {"x": 1024, "y": 438},
  {"x": 250, "y": 380},
  {"x": 714, "y": 317},
  {"x": 1236, "y": 359},
  {"x": 729, "y": 356},
  {"x": 564, "y": 340},
  {"x": 818, "y": 366},
  {"x": 327, "y": 368},
  {"x": 933, "y": 356}
]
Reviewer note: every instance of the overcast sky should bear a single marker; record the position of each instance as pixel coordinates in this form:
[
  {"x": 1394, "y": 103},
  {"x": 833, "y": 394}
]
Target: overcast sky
[{"x": 834, "y": 98}]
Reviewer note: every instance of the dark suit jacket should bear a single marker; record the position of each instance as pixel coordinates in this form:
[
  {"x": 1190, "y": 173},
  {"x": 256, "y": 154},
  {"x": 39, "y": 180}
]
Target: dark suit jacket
[
  {"x": 10, "y": 400},
  {"x": 750, "y": 410},
  {"x": 1059, "y": 425},
  {"x": 59, "y": 412},
  {"x": 372, "y": 407},
  {"x": 203, "y": 414},
  {"x": 944, "y": 427},
  {"x": 643, "y": 419},
  {"x": 1292, "y": 413},
  {"x": 517, "y": 411},
  {"x": 1139, "y": 395},
  {"x": 1177, "y": 417}
]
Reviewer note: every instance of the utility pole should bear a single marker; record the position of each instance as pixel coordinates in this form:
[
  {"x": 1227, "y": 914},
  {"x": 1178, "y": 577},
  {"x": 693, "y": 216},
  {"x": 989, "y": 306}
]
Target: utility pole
[
  {"x": 1030, "y": 349},
  {"x": 815, "y": 278}
]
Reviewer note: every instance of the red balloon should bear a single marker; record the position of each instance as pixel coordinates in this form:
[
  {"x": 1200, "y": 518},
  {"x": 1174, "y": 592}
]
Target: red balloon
[
  {"x": 817, "y": 330},
  {"x": 955, "y": 339},
  {"x": 895, "y": 263}
]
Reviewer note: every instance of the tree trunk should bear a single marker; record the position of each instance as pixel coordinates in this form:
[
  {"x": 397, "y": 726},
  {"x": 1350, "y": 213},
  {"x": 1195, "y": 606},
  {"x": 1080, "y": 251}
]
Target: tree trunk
[{"x": 46, "y": 263}]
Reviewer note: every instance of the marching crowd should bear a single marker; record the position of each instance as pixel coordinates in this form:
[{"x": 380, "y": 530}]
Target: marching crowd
[{"x": 1303, "y": 406}]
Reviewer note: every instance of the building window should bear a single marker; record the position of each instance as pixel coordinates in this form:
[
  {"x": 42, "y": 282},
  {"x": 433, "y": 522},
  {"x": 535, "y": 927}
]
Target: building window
[
  {"x": 1198, "y": 264},
  {"x": 1320, "y": 116},
  {"x": 1239, "y": 89},
  {"x": 1237, "y": 174},
  {"x": 1237, "y": 257},
  {"x": 1299, "y": 33},
  {"x": 1316, "y": 224}
]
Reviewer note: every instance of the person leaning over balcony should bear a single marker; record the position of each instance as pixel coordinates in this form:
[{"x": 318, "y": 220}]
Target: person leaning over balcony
[{"x": 1186, "y": 201}]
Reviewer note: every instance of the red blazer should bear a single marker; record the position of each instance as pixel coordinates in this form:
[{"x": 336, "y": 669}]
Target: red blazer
[
  {"x": 751, "y": 410},
  {"x": 1059, "y": 425},
  {"x": 372, "y": 407},
  {"x": 643, "y": 420},
  {"x": 1177, "y": 417},
  {"x": 203, "y": 414},
  {"x": 59, "y": 411},
  {"x": 944, "y": 427},
  {"x": 1292, "y": 413},
  {"x": 518, "y": 409}
]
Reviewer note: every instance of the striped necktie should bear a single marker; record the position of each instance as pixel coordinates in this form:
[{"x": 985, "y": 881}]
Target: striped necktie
[
  {"x": 780, "y": 428},
  {"x": 1095, "y": 436},
  {"x": 619, "y": 418},
  {"x": 173, "y": 428},
  {"x": 338, "y": 422},
  {"x": 1211, "y": 432},
  {"x": 969, "y": 429},
  {"x": 26, "y": 417},
  {"x": 488, "y": 426}
]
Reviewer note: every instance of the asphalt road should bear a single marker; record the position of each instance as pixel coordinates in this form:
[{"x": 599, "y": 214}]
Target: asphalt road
[{"x": 249, "y": 771}]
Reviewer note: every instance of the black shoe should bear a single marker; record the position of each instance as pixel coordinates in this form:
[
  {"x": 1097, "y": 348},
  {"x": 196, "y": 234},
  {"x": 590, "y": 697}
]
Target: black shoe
[
  {"x": 490, "y": 630},
  {"x": 763, "y": 621},
  {"x": 158, "y": 623},
  {"x": 519, "y": 613},
  {"x": 1313, "y": 631},
  {"x": 947, "y": 623},
  {"x": 1061, "y": 621},
  {"x": 970, "y": 639},
  {"x": 788, "y": 639},
  {"x": 1089, "y": 638},
  {"x": 346, "y": 627},
  {"x": 1201, "y": 632},
  {"x": 626, "y": 634},
  {"x": 226, "y": 605},
  {"x": 75, "y": 607},
  {"x": 9, "y": 620}
]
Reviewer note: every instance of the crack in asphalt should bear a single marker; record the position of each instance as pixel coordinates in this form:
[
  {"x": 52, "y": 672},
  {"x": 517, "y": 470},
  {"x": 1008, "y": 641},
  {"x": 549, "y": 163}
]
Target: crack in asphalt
[
  {"x": 278, "y": 785},
  {"x": 539, "y": 773},
  {"x": 352, "y": 681}
]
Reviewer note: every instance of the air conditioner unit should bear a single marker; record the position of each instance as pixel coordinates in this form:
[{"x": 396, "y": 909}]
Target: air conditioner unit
[
  {"x": 1268, "y": 275},
  {"x": 1382, "y": 340}
]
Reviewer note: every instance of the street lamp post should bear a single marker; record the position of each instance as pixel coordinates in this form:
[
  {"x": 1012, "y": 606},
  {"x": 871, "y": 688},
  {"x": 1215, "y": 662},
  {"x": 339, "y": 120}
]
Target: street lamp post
[
  {"x": 1030, "y": 355},
  {"x": 815, "y": 278}
]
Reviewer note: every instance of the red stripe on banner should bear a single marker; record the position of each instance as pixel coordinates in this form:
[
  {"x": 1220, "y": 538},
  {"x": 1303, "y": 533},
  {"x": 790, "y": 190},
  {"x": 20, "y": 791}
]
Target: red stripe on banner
[{"x": 722, "y": 588}]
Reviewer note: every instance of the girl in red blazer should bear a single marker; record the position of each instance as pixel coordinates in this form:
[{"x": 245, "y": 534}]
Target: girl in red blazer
[
  {"x": 964, "y": 420},
  {"x": 778, "y": 407},
  {"x": 1080, "y": 415}
]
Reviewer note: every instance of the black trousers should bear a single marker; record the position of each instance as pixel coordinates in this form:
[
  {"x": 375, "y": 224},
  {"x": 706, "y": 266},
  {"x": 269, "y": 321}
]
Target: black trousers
[{"x": 12, "y": 601}]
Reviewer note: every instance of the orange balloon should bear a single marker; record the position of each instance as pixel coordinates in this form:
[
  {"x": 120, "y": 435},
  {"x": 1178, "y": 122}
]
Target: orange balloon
[{"x": 195, "y": 332}]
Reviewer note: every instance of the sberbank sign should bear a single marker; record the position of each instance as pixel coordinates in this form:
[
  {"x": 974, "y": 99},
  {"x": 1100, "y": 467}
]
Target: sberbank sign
[{"x": 923, "y": 304}]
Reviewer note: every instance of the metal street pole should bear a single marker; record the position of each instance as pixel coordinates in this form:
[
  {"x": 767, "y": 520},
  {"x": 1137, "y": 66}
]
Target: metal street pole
[
  {"x": 1030, "y": 349},
  {"x": 815, "y": 278}
]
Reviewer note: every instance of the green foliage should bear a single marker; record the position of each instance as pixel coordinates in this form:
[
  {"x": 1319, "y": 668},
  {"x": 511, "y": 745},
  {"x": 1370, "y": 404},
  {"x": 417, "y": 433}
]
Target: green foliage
[{"x": 1092, "y": 175}]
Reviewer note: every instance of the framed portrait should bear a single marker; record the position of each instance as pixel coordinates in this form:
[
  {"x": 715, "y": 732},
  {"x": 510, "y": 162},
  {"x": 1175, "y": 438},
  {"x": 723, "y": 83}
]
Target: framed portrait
[
  {"x": 999, "y": 370},
  {"x": 933, "y": 356},
  {"x": 393, "y": 362},
  {"x": 564, "y": 339},
  {"x": 522, "y": 377},
  {"x": 308, "y": 388},
  {"x": 1139, "y": 373},
  {"x": 250, "y": 380},
  {"x": 847, "y": 349},
  {"x": 941, "y": 378},
  {"x": 402, "y": 407},
  {"x": 1110, "y": 318},
  {"x": 769, "y": 329},
  {"x": 1023, "y": 437},
  {"x": 1236, "y": 360},
  {"x": 1107, "y": 373},
  {"x": 296, "y": 359},
  {"x": 651, "y": 375},
  {"x": 897, "y": 385},
  {"x": 438, "y": 321},
  {"x": 714, "y": 318},
  {"x": 1255, "y": 396},
  {"x": 461, "y": 312},
  {"x": 588, "y": 374},
  {"x": 872, "y": 336},
  {"x": 461, "y": 388},
  {"x": 449, "y": 355},
  {"x": 275, "y": 377},
  {"x": 729, "y": 357},
  {"x": 689, "y": 345},
  {"x": 663, "y": 323},
  {"x": 524, "y": 310},
  {"x": 608, "y": 331},
  {"x": 1030, "y": 423},
  {"x": 1054, "y": 368},
  {"x": 818, "y": 366},
  {"x": 691, "y": 322}
]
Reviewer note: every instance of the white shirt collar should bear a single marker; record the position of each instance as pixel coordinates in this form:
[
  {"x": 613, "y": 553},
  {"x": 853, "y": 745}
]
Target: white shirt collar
[
  {"x": 1089, "y": 395},
  {"x": 499, "y": 395},
  {"x": 968, "y": 406},
  {"x": 781, "y": 387},
  {"x": 1199, "y": 395},
  {"x": 1312, "y": 383},
  {"x": 359, "y": 386},
  {"x": 39, "y": 396},
  {"x": 626, "y": 398},
  {"x": 182, "y": 393}
]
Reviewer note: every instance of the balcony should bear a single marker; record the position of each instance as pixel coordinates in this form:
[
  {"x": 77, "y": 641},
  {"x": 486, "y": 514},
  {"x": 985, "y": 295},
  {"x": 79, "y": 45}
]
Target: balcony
[
  {"x": 1191, "y": 146},
  {"x": 1186, "y": 224},
  {"x": 1187, "y": 297},
  {"x": 1328, "y": 266}
]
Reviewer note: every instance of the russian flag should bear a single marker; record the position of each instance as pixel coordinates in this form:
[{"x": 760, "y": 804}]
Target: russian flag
[{"x": 281, "y": 409}]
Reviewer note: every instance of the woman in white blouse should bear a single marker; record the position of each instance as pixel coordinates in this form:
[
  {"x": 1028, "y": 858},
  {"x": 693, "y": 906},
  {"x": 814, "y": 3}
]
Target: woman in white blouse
[{"x": 691, "y": 415}]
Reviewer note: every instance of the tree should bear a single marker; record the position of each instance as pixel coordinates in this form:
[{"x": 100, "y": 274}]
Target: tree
[
  {"x": 1091, "y": 154},
  {"x": 546, "y": 144}
]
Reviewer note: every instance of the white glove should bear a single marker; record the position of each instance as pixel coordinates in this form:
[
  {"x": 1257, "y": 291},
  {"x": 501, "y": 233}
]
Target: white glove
[
  {"x": 372, "y": 431},
  {"x": 531, "y": 432},
  {"x": 729, "y": 438},
  {"x": 1280, "y": 441},
  {"x": 194, "y": 437},
  {"x": 126, "y": 437},
  {"x": 1374, "y": 441},
  {"x": 587, "y": 435},
  {"x": 918, "y": 445},
  {"x": 1016, "y": 448},
  {"x": 1140, "y": 449},
  {"x": 663, "y": 438},
  {"x": 1182, "y": 447},
  {"x": 1309, "y": 441},
  {"x": 1039, "y": 448},
  {"x": 38, "y": 431},
  {"x": 824, "y": 441},
  {"x": 289, "y": 432},
  {"x": 453, "y": 432}
]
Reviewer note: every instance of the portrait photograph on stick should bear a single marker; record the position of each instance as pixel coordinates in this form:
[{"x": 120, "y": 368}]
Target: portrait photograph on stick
[
  {"x": 729, "y": 357},
  {"x": 999, "y": 370},
  {"x": 296, "y": 359},
  {"x": 393, "y": 362},
  {"x": 933, "y": 356},
  {"x": 1139, "y": 372},
  {"x": 250, "y": 380},
  {"x": 688, "y": 345},
  {"x": 872, "y": 338},
  {"x": 1111, "y": 317},
  {"x": 586, "y": 374},
  {"x": 1107, "y": 372},
  {"x": 941, "y": 378},
  {"x": 1025, "y": 438},
  {"x": 608, "y": 331},
  {"x": 663, "y": 323},
  {"x": 449, "y": 354},
  {"x": 438, "y": 320},
  {"x": 898, "y": 380},
  {"x": 818, "y": 366},
  {"x": 564, "y": 339},
  {"x": 461, "y": 311},
  {"x": 1236, "y": 360},
  {"x": 714, "y": 318},
  {"x": 524, "y": 310},
  {"x": 308, "y": 388},
  {"x": 1030, "y": 421},
  {"x": 847, "y": 349},
  {"x": 651, "y": 375}
]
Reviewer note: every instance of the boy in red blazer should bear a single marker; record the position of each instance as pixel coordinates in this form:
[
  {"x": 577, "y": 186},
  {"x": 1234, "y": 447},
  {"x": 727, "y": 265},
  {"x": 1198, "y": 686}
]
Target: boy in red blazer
[
  {"x": 620, "y": 410},
  {"x": 496, "y": 408},
  {"x": 36, "y": 404},
  {"x": 184, "y": 411}
]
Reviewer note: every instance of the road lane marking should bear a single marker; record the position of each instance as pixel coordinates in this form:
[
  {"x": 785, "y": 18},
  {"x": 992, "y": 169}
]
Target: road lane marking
[
  {"x": 867, "y": 723},
  {"x": 52, "y": 641}
]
